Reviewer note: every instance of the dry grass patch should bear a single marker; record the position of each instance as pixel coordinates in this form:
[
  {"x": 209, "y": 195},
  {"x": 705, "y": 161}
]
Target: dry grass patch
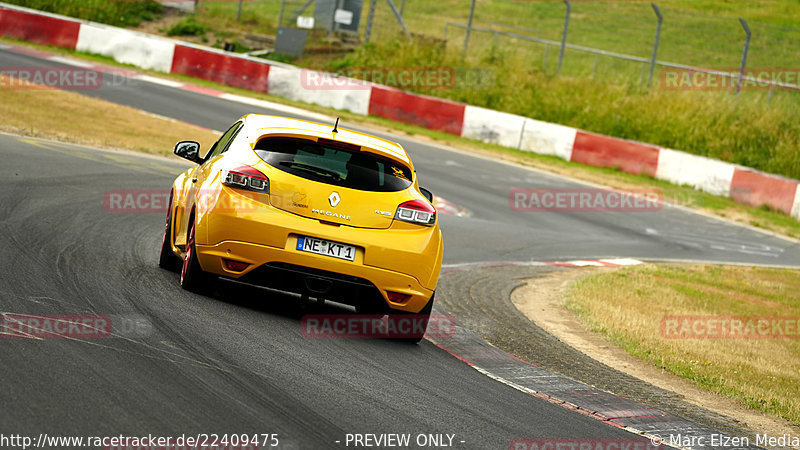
[
  {"x": 628, "y": 306},
  {"x": 71, "y": 117}
]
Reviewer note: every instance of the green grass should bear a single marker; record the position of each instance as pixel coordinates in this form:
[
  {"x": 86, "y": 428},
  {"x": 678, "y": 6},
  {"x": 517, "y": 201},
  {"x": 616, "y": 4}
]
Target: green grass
[
  {"x": 187, "y": 27},
  {"x": 682, "y": 195},
  {"x": 762, "y": 217},
  {"x": 515, "y": 76},
  {"x": 628, "y": 305},
  {"x": 121, "y": 13},
  {"x": 746, "y": 131}
]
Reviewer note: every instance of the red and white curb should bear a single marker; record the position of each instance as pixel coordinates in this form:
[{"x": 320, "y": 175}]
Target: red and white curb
[
  {"x": 511, "y": 360},
  {"x": 157, "y": 53},
  {"x": 446, "y": 207}
]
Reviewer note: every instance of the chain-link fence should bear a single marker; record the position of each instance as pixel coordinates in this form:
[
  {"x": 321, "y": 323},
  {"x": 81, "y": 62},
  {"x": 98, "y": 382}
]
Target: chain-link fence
[
  {"x": 639, "y": 43},
  {"x": 626, "y": 41}
]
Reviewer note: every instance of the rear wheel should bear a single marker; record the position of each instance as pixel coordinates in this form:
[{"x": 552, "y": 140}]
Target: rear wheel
[
  {"x": 421, "y": 320},
  {"x": 167, "y": 259},
  {"x": 192, "y": 276}
]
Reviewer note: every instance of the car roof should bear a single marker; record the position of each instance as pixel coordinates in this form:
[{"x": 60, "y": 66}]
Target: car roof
[{"x": 260, "y": 125}]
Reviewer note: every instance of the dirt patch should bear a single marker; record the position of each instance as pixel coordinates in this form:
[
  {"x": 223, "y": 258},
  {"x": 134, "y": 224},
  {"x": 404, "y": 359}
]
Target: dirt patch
[{"x": 541, "y": 300}]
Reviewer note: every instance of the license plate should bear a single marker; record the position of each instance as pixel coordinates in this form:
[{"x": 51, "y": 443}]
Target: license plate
[{"x": 327, "y": 248}]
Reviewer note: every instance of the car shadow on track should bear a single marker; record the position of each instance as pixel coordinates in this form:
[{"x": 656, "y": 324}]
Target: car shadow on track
[{"x": 287, "y": 305}]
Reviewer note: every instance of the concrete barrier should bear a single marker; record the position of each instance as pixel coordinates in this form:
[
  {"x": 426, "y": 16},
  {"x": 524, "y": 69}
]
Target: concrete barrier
[
  {"x": 548, "y": 139},
  {"x": 32, "y": 26},
  {"x": 604, "y": 151},
  {"x": 509, "y": 130},
  {"x": 220, "y": 67},
  {"x": 706, "y": 174},
  {"x": 127, "y": 47},
  {"x": 757, "y": 188},
  {"x": 293, "y": 83},
  {"x": 428, "y": 112},
  {"x": 492, "y": 127}
]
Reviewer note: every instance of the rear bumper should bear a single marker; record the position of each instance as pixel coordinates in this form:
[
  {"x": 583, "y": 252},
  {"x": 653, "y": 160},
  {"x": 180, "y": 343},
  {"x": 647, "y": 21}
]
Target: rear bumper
[
  {"x": 409, "y": 250},
  {"x": 289, "y": 269}
]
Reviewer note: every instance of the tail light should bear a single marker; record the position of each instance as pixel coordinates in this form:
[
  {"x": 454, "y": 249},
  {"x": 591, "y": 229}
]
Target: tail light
[
  {"x": 235, "y": 266},
  {"x": 397, "y": 297},
  {"x": 246, "y": 177},
  {"x": 416, "y": 211}
]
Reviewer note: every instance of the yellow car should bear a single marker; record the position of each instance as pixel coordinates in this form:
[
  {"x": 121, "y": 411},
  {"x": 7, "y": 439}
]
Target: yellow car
[{"x": 308, "y": 208}]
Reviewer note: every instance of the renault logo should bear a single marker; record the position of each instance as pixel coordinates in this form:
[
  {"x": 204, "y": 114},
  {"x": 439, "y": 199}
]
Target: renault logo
[{"x": 334, "y": 199}]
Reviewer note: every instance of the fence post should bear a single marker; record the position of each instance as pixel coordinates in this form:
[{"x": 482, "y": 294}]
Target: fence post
[
  {"x": 399, "y": 18},
  {"x": 369, "y": 20},
  {"x": 239, "y": 12},
  {"x": 544, "y": 58},
  {"x": 332, "y": 25},
  {"x": 280, "y": 15},
  {"x": 563, "y": 37},
  {"x": 655, "y": 45},
  {"x": 744, "y": 54},
  {"x": 301, "y": 10},
  {"x": 469, "y": 27}
]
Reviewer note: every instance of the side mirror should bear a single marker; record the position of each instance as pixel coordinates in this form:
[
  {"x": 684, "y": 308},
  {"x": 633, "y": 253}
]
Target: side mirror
[
  {"x": 189, "y": 150},
  {"x": 427, "y": 194}
]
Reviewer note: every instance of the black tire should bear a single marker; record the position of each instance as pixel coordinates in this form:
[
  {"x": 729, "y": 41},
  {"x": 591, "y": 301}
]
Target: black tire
[
  {"x": 167, "y": 259},
  {"x": 424, "y": 315},
  {"x": 192, "y": 276}
]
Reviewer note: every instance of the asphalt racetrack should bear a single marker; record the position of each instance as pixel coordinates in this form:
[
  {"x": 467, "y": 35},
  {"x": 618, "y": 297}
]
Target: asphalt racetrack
[{"x": 236, "y": 362}]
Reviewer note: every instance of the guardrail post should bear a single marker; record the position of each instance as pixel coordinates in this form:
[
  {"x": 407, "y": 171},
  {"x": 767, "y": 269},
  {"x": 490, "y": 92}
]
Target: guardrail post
[
  {"x": 744, "y": 54},
  {"x": 564, "y": 37},
  {"x": 655, "y": 45},
  {"x": 469, "y": 27}
]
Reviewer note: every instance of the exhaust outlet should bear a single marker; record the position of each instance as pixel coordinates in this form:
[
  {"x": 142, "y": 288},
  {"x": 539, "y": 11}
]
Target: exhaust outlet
[{"x": 318, "y": 285}]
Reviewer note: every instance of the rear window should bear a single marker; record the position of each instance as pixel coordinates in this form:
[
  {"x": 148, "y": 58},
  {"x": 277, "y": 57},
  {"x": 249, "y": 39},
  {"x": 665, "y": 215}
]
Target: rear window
[{"x": 331, "y": 164}]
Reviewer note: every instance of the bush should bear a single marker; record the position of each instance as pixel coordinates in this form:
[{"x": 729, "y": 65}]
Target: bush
[{"x": 187, "y": 27}]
